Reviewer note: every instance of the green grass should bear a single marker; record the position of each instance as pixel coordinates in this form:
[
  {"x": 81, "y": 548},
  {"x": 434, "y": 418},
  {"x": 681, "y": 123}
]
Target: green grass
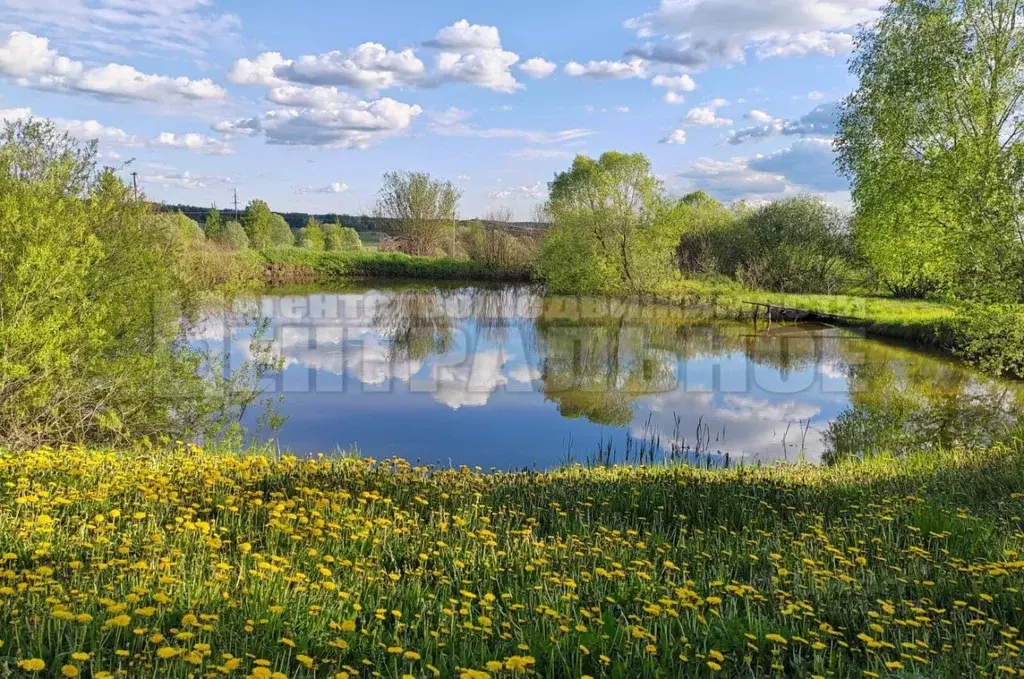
[
  {"x": 297, "y": 264},
  {"x": 186, "y": 563},
  {"x": 913, "y": 320}
]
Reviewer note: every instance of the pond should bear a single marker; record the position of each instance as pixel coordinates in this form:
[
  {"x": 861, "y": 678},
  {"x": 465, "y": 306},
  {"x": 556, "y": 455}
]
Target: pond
[{"x": 510, "y": 378}]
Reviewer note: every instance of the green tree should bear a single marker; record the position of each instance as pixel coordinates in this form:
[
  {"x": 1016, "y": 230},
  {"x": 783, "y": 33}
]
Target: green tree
[
  {"x": 234, "y": 236},
  {"x": 612, "y": 228},
  {"x": 91, "y": 294},
  {"x": 419, "y": 211},
  {"x": 350, "y": 241},
  {"x": 258, "y": 221},
  {"x": 281, "y": 235},
  {"x": 311, "y": 236},
  {"x": 931, "y": 140},
  {"x": 214, "y": 224},
  {"x": 798, "y": 244}
]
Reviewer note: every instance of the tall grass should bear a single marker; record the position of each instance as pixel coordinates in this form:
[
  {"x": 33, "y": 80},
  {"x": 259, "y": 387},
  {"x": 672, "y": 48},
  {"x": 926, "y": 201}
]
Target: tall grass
[{"x": 187, "y": 563}]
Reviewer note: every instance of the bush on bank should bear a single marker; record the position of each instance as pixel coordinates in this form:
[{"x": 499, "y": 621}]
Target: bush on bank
[{"x": 297, "y": 263}]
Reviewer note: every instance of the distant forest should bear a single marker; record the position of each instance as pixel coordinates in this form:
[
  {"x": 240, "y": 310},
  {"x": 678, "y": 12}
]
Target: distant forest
[{"x": 296, "y": 220}]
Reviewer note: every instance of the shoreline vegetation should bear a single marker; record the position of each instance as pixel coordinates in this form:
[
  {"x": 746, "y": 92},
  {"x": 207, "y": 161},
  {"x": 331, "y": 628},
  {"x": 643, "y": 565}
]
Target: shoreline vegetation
[
  {"x": 918, "y": 321},
  {"x": 179, "y": 562}
]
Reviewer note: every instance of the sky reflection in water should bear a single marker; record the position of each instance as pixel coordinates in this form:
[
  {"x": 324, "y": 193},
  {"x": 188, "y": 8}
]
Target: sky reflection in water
[{"x": 508, "y": 378}]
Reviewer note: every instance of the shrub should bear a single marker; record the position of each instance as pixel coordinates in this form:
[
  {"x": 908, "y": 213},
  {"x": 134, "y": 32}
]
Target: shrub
[
  {"x": 339, "y": 238},
  {"x": 89, "y": 298},
  {"x": 280, "y": 233},
  {"x": 991, "y": 337},
  {"x": 497, "y": 248},
  {"x": 234, "y": 236},
  {"x": 92, "y": 295},
  {"x": 311, "y": 236},
  {"x": 795, "y": 245},
  {"x": 342, "y": 265}
]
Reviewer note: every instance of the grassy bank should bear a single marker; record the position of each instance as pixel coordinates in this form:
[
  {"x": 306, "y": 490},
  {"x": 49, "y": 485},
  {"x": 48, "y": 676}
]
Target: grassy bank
[
  {"x": 194, "y": 564},
  {"x": 917, "y": 321},
  {"x": 296, "y": 265},
  {"x": 913, "y": 320}
]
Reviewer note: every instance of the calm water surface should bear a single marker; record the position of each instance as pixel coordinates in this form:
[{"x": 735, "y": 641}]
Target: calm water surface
[{"x": 508, "y": 378}]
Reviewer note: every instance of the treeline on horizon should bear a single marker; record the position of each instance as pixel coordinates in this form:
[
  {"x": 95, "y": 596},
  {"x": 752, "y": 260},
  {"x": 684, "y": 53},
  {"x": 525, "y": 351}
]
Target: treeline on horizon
[{"x": 362, "y": 223}]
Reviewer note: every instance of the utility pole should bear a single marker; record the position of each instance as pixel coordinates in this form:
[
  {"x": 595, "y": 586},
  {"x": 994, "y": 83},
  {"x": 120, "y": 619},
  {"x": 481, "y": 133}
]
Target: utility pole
[
  {"x": 236, "y": 204},
  {"x": 135, "y": 185}
]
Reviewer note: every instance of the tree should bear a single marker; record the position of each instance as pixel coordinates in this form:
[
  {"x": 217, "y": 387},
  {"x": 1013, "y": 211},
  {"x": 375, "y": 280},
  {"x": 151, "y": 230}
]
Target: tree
[
  {"x": 281, "y": 235},
  {"x": 350, "y": 241},
  {"x": 91, "y": 349},
  {"x": 612, "y": 228},
  {"x": 257, "y": 220},
  {"x": 311, "y": 236},
  {"x": 234, "y": 236},
  {"x": 214, "y": 224},
  {"x": 798, "y": 244},
  {"x": 931, "y": 140},
  {"x": 418, "y": 210}
]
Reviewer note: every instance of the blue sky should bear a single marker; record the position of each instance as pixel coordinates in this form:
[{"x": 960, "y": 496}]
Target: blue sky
[{"x": 307, "y": 104}]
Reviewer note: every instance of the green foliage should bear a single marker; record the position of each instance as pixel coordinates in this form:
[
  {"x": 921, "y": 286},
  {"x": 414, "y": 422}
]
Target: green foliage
[
  {"x": 311, "y": 236},
  {"x": 494, "y": 247},
  {"x": 92, "y": 295},
  {"x": 258, "y": 221},
  {"x": 175, "y": 228},
  {"x": 795, "y": 245},
  {"x": 234, "y": 236},
  {"x": 302, "y": 264},
  {"x": 214, "y": 225},
  {"x": 992, "y": 337},
  {"x": 612, "y": 229},
  {"x": 280, "y": 233},
  {"x": 89, "y": 297},
  {"x": 932, "y": 142},
  {"x": 349, "y": 240},
  {"x": 418, "y": 211}
]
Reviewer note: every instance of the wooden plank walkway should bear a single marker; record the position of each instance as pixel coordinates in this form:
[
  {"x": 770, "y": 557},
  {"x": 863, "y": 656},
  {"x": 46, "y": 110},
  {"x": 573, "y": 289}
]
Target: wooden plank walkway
[{"x": 777, "y": 312}]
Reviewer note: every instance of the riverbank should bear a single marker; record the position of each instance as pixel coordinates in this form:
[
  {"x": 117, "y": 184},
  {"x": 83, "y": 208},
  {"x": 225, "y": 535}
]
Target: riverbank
[
  {"x": 927, "y": 323},
  {"x": 185, "y": 562},
  {"x": 286, "y": 266}
]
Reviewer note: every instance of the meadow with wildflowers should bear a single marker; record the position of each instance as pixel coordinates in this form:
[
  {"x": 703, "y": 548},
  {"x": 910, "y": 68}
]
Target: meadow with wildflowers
[{"x": 186, "y": 563}]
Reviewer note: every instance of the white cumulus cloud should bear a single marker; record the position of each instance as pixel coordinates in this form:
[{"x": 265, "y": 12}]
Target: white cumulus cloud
[
  {"x": 695, "y": 34},
  {"x": 705, "y": 116},
  {"x": 538, "y": 67},
  {"x": 676, "y": 137},
  {"x": 607, "y": 70},
  {"x": 193, "y": 142},
  {"x": 29, "y": 60}
]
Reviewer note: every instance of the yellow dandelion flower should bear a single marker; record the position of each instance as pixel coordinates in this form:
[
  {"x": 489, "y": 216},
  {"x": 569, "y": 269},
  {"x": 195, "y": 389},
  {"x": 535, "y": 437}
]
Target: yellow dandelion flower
[{"x": 32, "y": 665}]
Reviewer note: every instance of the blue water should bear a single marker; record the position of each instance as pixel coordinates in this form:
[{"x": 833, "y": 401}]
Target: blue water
[{"x": 507, "y": 378}]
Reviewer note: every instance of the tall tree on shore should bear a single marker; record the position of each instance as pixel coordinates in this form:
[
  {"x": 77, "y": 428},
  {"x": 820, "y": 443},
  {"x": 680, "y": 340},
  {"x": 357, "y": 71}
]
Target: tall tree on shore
[
  {"x": 257, "y": 219},
  {"x": 214, "y": 224},
  {"x": 932, "y": 141},
  {"x": 611, "y": 227},
  {"x": 418, "y": 210}
]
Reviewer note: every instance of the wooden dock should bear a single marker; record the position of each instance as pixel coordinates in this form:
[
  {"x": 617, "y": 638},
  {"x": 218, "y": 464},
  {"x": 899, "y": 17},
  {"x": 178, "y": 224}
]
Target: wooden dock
[{"x": 776, "y": 312}]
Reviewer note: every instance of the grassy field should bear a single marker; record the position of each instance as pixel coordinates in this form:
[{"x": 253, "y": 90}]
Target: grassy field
[{"x": 189, "y": 564}]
